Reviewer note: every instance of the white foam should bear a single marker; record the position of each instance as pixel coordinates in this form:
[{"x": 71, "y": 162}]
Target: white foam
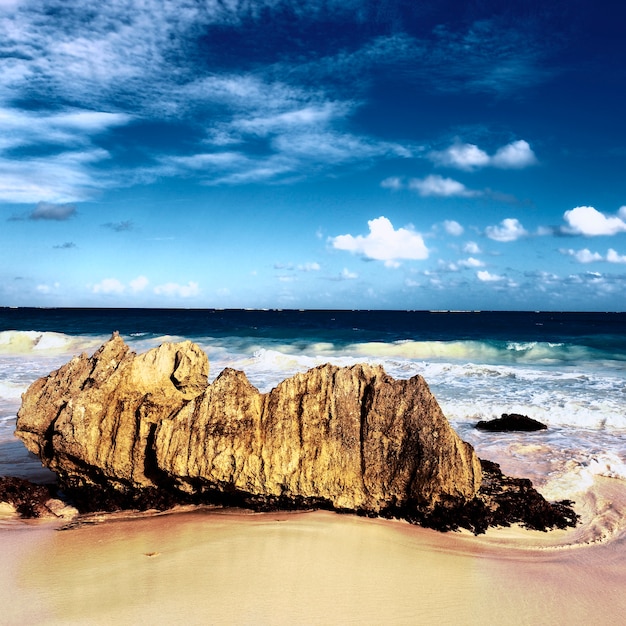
[
  {"x": 11, "y": 391},
  {"x": 24, "y": 342}
]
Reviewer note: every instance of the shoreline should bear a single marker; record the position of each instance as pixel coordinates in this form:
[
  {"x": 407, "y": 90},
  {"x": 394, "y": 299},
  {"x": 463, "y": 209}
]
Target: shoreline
[{"x": 232, "y": 566}]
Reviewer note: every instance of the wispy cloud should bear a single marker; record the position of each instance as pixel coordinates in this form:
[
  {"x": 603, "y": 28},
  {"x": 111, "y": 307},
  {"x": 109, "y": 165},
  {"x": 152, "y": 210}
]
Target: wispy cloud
[
  {"x": 120, "y": 227},
  {"x": 68, "y": 245},
  {"x": 384, "y": 243},
  {"x": 121, "y": 63},
  {"x": 61, "y": 178}
]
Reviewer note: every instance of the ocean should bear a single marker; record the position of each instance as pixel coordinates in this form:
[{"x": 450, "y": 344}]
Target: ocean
[{"x": 567, "y": 370}]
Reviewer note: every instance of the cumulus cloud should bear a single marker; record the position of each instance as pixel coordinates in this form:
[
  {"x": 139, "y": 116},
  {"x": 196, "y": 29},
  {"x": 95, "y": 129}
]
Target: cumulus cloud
[
  {"x": 515, "y": 155},
  {"x": 462, "y": 156},
  {"x": 612, "y": 256},
  {"x": 435, "y": 185},
  {"x": 583, "y": 256},
  {"x": 487, "y": 277},
  {"x": 189, "y": 290},
  {"x": 384, "y": 243},
  {"x": 346, "y": 274},
  {"x": 586, "y": 256},
  {"x": 109, "y": 285},
  {"x": 139, "y": 284},
  {"x": 452, "y": 227},
  {"x": 469, "y": 157},
  {"x": 46, "y": 289},
  {"x": 471, "y": 247},
  {"x": 393, "y": 182},
  {"x": 471, "y": 262},
  {"x": 588, "y": 221},
  {"x": 509, "y": 229}
]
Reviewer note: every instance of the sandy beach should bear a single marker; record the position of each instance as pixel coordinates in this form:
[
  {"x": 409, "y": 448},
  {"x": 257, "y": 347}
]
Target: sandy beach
[{"x": 234, "y": 567}]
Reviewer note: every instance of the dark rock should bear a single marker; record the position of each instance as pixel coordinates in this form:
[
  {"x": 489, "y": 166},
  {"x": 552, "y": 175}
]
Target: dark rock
[
  {"x": 510, "y": 422},
  {"x": 28, "y": 500}
]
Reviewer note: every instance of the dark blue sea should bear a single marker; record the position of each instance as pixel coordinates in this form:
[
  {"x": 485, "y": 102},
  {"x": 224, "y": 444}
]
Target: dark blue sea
[{"x": 567, "y": 370}]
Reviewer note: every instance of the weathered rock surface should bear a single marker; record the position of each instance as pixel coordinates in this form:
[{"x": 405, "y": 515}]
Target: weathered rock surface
[
  {"x": 352, "y": 437},
  {"x": 511, "y": 422},
  {"x": 126, "y": 430}
]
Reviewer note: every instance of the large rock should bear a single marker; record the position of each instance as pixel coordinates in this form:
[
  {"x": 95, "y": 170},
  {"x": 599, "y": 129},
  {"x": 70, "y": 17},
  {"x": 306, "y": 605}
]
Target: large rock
[{"x": 351, "y": 438}]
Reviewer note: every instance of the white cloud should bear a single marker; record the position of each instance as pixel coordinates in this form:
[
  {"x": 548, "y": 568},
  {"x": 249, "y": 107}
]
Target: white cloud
[
  {"x": 583, "y": 256},
  {"x": 189, "y": 290},
  {"x": 453, "y": 228},
  {"x": 586, "y": 256},
  {"x": 46, "y": 289},
  {"x": 471, "y": 262},
  {"x": 109, "y": 285},
  {"x": 346, "y": 274},
  {"x": 384, "y": 243},
  {"x": 143, "y": 57},
  {"x": 139, "y": 283},
  {"x": 463, "y": 156},
  {"x": 515, "y": 155},
  {"x": 435, "y": 185},
  {"x": 469, "y": 157},
  {"x": 61, "y": 178},
  {"x": 393, "y": 182},
  {"x": 310, "y": 267},
  {"x": 471, "y": 247},
  {"x": 319, "y": 115},
  {"x": 588, "y": 221},
  {"x": 612, "y": 256},
  {"x": 509, "y": 229},
  {"x": 487, "y": 277}
]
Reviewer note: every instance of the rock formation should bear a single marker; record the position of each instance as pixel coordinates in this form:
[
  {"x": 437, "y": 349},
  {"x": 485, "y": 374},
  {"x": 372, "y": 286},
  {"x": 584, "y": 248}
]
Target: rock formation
[
  {"x": 511, "y": 422},
  {"x": 121, "y": 429}
]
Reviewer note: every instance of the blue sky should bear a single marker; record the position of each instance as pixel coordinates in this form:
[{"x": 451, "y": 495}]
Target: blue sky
[{"x": 322, "y": 154}]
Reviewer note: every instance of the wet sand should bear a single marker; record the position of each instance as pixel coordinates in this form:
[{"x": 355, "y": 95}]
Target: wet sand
[{"x": 232, "y": 567}]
